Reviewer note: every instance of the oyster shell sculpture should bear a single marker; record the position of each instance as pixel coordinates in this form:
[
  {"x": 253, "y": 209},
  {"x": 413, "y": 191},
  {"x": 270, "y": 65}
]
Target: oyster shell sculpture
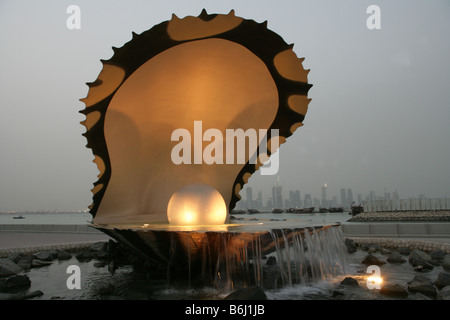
[{"x": 219, "y": 71}]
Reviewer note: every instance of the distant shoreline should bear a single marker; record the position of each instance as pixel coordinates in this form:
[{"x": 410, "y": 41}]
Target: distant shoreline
[
  {"x": 402, "y": 216},
  {"x": 42, "y": 212}
]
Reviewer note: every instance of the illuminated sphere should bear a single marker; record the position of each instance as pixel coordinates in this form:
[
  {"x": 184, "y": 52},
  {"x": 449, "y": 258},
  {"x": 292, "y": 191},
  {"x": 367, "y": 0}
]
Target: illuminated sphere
[{"x": 196, "y": 204}]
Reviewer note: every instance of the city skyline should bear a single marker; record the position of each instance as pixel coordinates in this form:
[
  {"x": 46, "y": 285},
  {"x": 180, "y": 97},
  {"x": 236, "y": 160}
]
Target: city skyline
[{"x": 297, "y": 199}]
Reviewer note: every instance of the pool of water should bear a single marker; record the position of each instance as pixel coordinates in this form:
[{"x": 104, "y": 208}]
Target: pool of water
[{"x": 133, "y": 285}]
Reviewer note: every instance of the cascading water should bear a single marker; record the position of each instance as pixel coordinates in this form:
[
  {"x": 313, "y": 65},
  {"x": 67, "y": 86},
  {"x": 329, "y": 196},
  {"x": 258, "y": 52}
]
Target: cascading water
[
  {"x": 275, "y": 259},
  {"x": 308, "y": 256}
]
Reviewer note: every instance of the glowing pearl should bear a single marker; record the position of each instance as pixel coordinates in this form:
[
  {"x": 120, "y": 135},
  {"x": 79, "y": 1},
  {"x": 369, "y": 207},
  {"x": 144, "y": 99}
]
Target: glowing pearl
[{"x": 196, "y": 204}]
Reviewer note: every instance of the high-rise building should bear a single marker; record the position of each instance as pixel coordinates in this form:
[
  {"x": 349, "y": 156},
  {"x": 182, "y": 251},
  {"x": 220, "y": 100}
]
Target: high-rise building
[
  {"x": 316, "y": 203},
  {"x": 349, "y": 197},
  {"x": 395, "y": 195},
  {"x": 308, "y": 201},
  {"x": 269, "y": 204},
  {"x": 278, "y": 197},
  {"x": 294, "y": 197},
  {"x": 324, "y": 195},
  {"x": 287, "y": 203},
  {"x": 249, "y": 197},
  {"x": 259, "y": 204},
  {"x": 274, "y": 197},
  {"x": 343, "y": 198},
  {"x": 387, "y": 196},
  {"x": 334, "y": 202}
]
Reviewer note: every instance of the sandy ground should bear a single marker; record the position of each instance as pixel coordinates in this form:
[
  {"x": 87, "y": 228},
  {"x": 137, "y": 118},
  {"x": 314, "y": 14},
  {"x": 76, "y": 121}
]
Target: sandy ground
[{"x": 29, "y": 239}]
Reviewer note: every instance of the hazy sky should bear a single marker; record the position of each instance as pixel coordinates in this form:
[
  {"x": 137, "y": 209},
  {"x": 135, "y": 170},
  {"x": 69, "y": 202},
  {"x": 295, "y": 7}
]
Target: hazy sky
[{"x": 379, "y": 116}]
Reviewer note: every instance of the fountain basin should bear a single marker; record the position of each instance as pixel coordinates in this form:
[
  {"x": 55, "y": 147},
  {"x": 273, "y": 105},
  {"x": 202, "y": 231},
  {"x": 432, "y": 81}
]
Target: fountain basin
[{"x": 221, "y": 253}]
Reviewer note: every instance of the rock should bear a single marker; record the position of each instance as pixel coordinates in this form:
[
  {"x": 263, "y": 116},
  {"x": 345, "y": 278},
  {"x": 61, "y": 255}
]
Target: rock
[
  {"x": 14, "y": 257},
  {"x": 8, "y": 268},
  {"x": 372, "y": 250},
  {"x": 112, "y": 248},
  {"x": 444, "y": 294},
  {"x": 251, "y": 293},
  {"x": 49, "y": 255},
  {"x": 394, "y": 291},
  {"x": 442, "y": 280},
  {"x": 64, "y": 255},
  {"x": 337, "y": 295},
  {"x": 22, "y": 260},
  {"x": 423, "y": 285},
  {"x": 395, "y": 257},
  {"x": 20, "y": 296},
  {"x": 403, "y": 250},
  {"x": 99, "y": 264},
  {"x": 112, "y": 266},
  {"x": 271, "y": 277},
  {"x": 36, "y": 263},
  {"x": 85, "y": 256},
  {"x": 17, "y": 282},
  {"x": 3, "y": 287},
  {"x": 420, "y": 296},
  {"x": 104, "y": 288},
  {"x": 349, "y": 282},
  {"x": 99, "y": 246},
  {"x": 437, "y": 255},
  {"x": 421, "y": 268},
  {"x": 371, "y": 247},
  {"x": 272, "y": 261},
  {"x": 372, "y": 260},
  {"x": 102, "y": 255},
  {"x": 418, "y": 257},
  {"x": 385, "y": 251},
  {"x": 351, "y": 245},
  {"x": 446, "y": 262}
]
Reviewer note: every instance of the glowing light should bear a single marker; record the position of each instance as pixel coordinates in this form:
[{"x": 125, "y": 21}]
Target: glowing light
[
  {"x": 196, "y": 204},
  {"x": 374, "y": 282},
  {"x": 146, "y": 225}
]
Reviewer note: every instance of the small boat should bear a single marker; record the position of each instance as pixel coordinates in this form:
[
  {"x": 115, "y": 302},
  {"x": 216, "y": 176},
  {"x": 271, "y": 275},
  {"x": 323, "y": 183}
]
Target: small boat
[
  {"x": 305, "y": 210},
  {"x": 277, "y": 211},
  {"x": 323, "y": 210},
  {"x": 252, "y": 211},
  {"x": 336, "y": 209},
  {"x": 357, "y": 209},
  {"x": 19, "y": 217}
]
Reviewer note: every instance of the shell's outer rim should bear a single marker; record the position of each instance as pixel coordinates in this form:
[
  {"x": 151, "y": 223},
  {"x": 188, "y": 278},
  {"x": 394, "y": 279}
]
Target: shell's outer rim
[{"x": 246, "y": 33}]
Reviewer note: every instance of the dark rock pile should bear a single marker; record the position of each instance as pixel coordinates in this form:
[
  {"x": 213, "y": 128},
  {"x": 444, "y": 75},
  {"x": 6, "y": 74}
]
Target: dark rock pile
[
  {"x": 14, "y": 281},
  {"x": 421, "y": 287}
]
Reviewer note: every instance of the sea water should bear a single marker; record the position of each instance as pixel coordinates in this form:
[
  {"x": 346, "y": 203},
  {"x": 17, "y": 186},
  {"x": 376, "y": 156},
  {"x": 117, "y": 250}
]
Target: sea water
[
  {"x": 86, "y": 218},
  {"x": 46, "y": 218}
]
